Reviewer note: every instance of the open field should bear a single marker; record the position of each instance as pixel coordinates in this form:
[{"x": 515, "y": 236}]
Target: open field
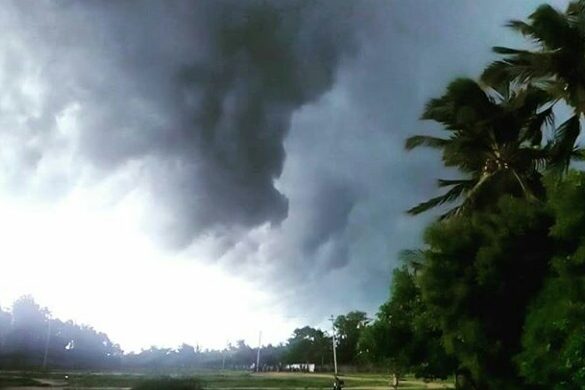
[{"x": 209, "y": 380}]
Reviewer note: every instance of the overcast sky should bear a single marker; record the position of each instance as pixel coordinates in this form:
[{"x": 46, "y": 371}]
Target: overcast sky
[{"x": 201, "y": 170}]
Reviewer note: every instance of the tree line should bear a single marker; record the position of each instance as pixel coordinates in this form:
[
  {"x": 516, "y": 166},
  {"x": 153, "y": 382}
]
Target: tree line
[{"x": 31, "y": 339}]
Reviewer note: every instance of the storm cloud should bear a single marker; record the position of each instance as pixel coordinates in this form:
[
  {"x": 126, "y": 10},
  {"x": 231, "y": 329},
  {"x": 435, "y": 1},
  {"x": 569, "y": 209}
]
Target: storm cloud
[
  {"x": 201, "y": 92},
  {"x": 263, "y": 136}
]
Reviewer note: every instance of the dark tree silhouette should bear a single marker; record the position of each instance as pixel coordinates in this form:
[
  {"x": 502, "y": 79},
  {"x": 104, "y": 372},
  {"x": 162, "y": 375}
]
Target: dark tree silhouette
[
  {"x": 494, "y": 138},
  {"x": 557, "y": 65}
]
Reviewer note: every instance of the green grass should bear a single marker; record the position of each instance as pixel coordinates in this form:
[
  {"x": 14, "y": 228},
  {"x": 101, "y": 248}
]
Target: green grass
[
  {"x": 19, "y": 381},
  {"x": 246, "y": 380},
  {"x": 212, "y": 380}
]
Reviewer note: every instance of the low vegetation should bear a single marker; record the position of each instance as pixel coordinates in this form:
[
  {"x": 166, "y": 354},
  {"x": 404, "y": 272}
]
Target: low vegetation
[{"x": 170, "y": 384}]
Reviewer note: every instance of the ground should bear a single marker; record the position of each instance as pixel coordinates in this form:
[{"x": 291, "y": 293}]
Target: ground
[{"x": 223, "y": 380}]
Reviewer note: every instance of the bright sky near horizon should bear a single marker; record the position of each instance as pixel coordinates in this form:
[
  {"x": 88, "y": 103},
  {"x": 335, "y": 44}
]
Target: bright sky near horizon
[
  {"x": 125, "y": 281},
  {"x": 178, "y": 171}
]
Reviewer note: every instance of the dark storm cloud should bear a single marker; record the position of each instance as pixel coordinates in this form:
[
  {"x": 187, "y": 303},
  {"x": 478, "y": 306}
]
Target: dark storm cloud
[
  {"x": 267, "y": 60},
  {"x": 233, "y": 110},
  {"x": 354, "y": 135},
  {"x": 207, "y": 88},
  {"x": 271, "y": 133}
]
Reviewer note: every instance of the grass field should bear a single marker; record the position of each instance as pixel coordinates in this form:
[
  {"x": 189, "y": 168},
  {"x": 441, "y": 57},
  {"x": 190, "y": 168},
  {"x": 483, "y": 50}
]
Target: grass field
[{"x": 207, "y": 380}]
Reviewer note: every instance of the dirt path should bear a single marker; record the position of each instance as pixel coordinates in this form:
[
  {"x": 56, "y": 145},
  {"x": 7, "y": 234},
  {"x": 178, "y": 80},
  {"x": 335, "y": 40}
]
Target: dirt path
[{"x": 52, "y": 382}]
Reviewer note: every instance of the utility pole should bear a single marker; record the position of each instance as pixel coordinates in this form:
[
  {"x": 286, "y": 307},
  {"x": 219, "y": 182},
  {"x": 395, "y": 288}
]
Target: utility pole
[
  {"x": 258, "y": 354},
  {"x": 47, "y": 342},
  {"x": 332, "y": 319}
]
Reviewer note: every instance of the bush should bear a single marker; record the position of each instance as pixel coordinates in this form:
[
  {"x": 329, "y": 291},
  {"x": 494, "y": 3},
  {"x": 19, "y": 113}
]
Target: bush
[{"x": 170, "y": 384}]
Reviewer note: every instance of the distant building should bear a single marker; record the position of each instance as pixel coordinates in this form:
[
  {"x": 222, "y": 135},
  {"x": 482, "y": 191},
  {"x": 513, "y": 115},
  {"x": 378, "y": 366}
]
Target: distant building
[{"x": 301, "y": 367}]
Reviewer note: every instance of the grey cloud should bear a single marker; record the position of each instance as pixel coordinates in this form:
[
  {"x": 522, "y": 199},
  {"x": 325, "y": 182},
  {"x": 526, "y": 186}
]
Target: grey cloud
[
  {"x": 354, "y": 135},
  {"x": 267, "y": 61},
  {"x": 206, "y": 88},
  {"x": 331, "y": 205}
]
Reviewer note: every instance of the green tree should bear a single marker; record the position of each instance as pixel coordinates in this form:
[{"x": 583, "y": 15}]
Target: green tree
[
  {"x": 308, "y": 345},
  {"x": 27, "y": 313},
  {"x": 242, "y": 354},
  {"x": 28, "y": 333},
  {"x": 553, "y": 342},
  {"x": 348, "y": 329},
  {"x": 479, "y": 276},
  {"x": 402, "y": 338},
  {"x": 493, "y": 138},
  {"x": 557, "y": 65},
  {"x": 554, "y": 338}
]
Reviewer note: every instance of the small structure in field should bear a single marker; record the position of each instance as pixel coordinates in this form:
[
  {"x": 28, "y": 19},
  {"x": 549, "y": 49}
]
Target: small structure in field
[{"x": 300, "y": 367}]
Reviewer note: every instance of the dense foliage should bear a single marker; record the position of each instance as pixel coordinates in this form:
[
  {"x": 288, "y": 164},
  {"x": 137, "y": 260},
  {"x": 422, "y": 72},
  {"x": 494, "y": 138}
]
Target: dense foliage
[
  {"x": 308, "y": 345},
  {"x": 480, "y": 274},
  {"x": 554, "y": 334},
  {"x": 402, "y": 337},
  {"x": 349, "y": 328},
  {"x": 500, "y": 280}
]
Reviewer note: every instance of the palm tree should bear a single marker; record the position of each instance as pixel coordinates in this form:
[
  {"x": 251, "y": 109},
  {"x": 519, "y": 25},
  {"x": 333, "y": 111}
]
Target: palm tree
[
  {"x": 495, "y": 138},
  {"x": 556, "y": 65}
]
